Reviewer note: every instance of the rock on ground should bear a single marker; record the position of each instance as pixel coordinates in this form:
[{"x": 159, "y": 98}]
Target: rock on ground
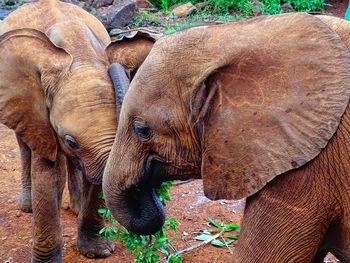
[{"x": 184, "y": 10}]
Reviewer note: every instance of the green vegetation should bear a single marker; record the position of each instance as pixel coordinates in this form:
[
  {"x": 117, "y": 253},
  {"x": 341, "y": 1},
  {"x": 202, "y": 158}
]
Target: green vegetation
[
  {"x": 15, "y": 3},
  {"x": 246, "y": 7},
  {"x": 227, "y": 239},
  {"x": 159, "y": 247},
  {"x": 172, "y": 25},
  {"x": 147, "y": 249},
  {"x": 221, "y": 11}
]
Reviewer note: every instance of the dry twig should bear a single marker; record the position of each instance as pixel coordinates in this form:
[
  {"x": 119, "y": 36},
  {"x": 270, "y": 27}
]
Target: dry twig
[{"x": 192, "y": 247}]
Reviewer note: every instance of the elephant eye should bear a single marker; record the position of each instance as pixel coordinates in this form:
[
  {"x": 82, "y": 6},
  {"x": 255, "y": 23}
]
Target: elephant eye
[
  {"x": 142, "y": 132},
  {"x": 70, "y": 141}
]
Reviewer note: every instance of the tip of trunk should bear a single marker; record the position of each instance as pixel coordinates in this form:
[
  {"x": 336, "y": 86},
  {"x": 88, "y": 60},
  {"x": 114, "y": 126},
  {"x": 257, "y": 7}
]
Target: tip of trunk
[{"x": 139, "y": 210}]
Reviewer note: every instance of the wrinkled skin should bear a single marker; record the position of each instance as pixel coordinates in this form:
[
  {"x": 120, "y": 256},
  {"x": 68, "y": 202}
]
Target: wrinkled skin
[
  {"x": 255, "y": 109},
  {"x": 57, "y": 95}
]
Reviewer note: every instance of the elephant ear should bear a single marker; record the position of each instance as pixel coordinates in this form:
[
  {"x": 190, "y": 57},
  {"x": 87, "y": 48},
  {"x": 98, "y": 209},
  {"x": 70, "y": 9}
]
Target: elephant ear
[
  {"x": 29, "y": 59},
  {"x": 274, "y": 97},
  {"x": 130, "y": 49},
  {"x": 339, "y": 25},
  {"x": 94, "y": 45}
]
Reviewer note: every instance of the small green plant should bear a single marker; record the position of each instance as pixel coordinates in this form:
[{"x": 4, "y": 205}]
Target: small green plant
[
  {"x": 147, "y": 249},
  {"x": 246, "y": 7},
  {"x": 308, "y": 5},
  {"x": 224, "y": 228}
]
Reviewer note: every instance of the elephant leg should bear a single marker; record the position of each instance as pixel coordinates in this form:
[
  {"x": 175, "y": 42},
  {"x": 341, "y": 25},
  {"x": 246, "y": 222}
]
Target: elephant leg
[
  {"x": 286, "y": 221},
  {"x": 90, "y": 223},
  {"x": 74, "y": 186},
  {"x": 25, "y": 199},
  {"x": 48, "y": 180}
]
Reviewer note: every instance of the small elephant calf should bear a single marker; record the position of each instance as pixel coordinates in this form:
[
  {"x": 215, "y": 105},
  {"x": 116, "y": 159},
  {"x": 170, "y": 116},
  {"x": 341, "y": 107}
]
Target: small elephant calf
[{"x": 57, "y": 95}]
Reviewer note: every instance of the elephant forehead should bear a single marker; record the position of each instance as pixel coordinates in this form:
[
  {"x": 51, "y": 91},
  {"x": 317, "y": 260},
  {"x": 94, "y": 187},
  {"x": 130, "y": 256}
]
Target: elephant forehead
[
  {"x": 92, "y": 102},
  {"x": 81, "y": 122}
]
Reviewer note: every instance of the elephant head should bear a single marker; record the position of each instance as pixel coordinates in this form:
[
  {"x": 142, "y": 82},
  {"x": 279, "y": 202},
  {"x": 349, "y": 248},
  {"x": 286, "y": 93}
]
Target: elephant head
[
  {"x": 235, "y": 105},
  {"x": 55, "y": 91}
]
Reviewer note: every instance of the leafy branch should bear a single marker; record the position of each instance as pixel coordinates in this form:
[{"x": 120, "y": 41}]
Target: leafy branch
[
  {"x": 149, "y": 249},
  {"x": 145, "y": 248}
]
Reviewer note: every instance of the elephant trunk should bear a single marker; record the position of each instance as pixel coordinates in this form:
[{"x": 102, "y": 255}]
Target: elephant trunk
[
  {"x": 138, "y": 209},
  {"x": 130, "y": 193},
  {"x": 120, "y": 83}
]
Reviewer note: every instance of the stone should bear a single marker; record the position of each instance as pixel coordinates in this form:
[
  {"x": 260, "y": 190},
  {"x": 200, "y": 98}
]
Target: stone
[
  {"x": 143, "y": 4},
  {"x": 101, "y": 3},
  {"x": 257, "y": 12},
  {"x": 257, "y": 8},
  {"x": 10, "y": 2},
  {"x": 184, "y": 10},
  {"x": 175, "y": 6},
  {"x": 119, "y": 15}
]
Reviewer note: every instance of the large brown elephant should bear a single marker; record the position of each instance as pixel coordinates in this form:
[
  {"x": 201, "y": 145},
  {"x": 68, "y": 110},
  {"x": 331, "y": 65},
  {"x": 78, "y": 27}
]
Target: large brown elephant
[
  {"x": 56, "y": 94},
  {"x": 256, "y": 109}
]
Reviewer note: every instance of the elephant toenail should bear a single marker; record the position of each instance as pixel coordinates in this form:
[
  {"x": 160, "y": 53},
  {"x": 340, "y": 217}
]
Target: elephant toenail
[{"x": 90, "y": 255}]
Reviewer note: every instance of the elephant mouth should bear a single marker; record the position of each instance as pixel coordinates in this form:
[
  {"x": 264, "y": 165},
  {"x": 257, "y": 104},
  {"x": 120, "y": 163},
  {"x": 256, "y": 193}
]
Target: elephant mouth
[
  {"x": 146, "y": 211},
  {"x": 139, "y": 208}
]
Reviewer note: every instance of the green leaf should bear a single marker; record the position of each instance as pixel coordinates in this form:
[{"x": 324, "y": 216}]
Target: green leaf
[
  {"x": 230, "y": 242},
  {"x": 214, "y": 223},
  {"x": 217, "y": 243},
  {"x": 102, "y": 231},
  {"x": 202, "y": 237},
  {"x": 231, "y": 227},
  {"x": 102, "y": 210},
  {"x": 232, "y": 237},
  {"x": 175, "y": 260}
]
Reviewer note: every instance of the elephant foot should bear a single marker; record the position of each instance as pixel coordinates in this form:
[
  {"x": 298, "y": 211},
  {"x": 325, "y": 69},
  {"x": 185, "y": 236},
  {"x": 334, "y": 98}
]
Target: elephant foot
[
  {"x": 54, "y": 256},
  {"x": 92, "y": 246},
  {"x": 25, "y": 200}
]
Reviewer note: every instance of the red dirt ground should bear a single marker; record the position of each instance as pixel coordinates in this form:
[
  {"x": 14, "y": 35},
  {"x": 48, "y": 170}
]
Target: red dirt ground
[{"x": 188, "y": 205}]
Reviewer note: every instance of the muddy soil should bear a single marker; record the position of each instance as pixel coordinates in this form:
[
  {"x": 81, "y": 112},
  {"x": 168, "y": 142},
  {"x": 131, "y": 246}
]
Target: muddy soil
[{"x": 189, "y": 206}]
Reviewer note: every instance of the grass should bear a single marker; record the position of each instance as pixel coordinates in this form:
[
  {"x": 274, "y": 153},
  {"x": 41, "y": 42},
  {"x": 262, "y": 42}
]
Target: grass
[
  {"x": 172, "y": 24},
  {"x": 247, "y": 6},
  {"x": 220, "y": 11}
]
